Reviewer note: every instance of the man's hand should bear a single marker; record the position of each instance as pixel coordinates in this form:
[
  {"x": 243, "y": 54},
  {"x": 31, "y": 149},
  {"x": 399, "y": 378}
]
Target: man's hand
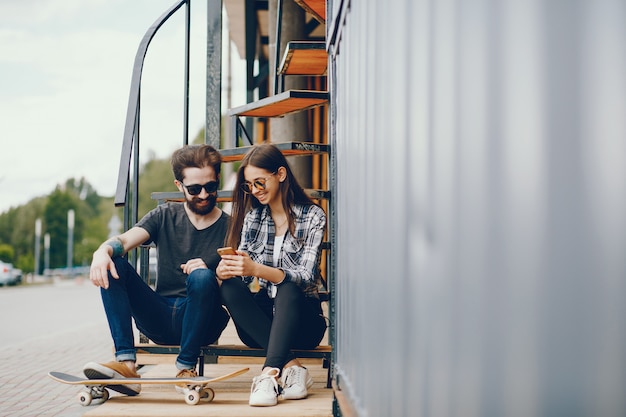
[
  {"x": 101, "y": 262},
  {"x": 192, "y": 265},
  {"x": 100, "y": 265}
]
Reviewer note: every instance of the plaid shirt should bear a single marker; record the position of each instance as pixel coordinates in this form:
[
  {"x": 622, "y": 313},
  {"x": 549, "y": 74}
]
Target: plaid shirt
[{"x": 300, "y": 253}]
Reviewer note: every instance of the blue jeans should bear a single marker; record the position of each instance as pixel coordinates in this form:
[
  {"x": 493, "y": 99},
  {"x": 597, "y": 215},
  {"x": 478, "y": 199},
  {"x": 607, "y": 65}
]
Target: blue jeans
[{"x": 191, "y": 322}]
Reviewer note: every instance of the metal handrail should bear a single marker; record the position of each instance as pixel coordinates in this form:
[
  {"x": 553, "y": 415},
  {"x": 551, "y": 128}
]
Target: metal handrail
[
  {"x": 131, "y": 129},
  {"x": 279, "y": 24}
]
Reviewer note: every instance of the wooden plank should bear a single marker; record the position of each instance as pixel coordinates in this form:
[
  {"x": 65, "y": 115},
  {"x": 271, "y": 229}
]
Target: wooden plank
[
  {"x": 243, "y": 350},
  {"x": 345, "y": 405},
  {"x": 322, "y": 351},
  {"x": 287, "y": 148},
  {"x": 317, "y": 8},
  {"x": 231, "y": 397},
  {"x": 281, "y": 104},
  {"x": 304, "y": 58},
  {"x": 161, "y": 197},
  {"x": 226, "y": 195}
]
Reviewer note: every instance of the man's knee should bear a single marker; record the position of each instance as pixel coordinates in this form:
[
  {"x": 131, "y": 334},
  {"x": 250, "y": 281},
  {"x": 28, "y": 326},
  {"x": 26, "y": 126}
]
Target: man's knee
[{"x": 202, "y": 280}]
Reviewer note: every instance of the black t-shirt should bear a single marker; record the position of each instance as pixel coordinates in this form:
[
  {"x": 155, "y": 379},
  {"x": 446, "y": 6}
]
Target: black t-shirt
[{"x": 177, "y": 241}]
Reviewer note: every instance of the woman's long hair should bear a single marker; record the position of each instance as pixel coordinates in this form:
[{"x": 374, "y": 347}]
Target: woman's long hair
[{"x": 265, "y": 156}]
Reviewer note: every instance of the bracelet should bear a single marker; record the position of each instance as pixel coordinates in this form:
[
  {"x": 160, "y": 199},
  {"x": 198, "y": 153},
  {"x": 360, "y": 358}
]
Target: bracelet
[
  {"x": 282, "y": 280},
  {"x": 117, "y": 246}
]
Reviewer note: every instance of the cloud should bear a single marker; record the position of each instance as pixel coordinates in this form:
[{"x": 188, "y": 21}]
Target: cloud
[{"x": 65, "y": 70}]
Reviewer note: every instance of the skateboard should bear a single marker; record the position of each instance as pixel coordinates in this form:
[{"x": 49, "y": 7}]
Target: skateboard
[{"x": 96, "y": 389}]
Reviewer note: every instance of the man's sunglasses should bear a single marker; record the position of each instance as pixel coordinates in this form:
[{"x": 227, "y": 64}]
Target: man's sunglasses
[{"x": 195, "y": 189}]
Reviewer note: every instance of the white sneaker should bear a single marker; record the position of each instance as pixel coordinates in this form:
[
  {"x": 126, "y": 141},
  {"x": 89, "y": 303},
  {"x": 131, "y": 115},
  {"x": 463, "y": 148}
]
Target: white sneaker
[
  {"x": 296, "y": 381},
  {"x": 264, "y": 391}
]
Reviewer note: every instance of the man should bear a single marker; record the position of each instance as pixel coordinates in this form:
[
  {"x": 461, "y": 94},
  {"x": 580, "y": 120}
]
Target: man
[{"x": 185, "y": 307}]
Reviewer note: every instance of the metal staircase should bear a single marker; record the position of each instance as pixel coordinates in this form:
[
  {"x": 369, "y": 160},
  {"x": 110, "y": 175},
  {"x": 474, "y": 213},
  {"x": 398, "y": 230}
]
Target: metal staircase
[
  {"x": 306, "y": 58},
  {"x": 300, "y": 58}
]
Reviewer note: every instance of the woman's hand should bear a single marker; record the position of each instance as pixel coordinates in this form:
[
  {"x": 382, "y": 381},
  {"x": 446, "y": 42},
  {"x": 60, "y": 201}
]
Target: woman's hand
[
  {"x": 235, "y": 266},
  {"x": 242, "y": 265}
]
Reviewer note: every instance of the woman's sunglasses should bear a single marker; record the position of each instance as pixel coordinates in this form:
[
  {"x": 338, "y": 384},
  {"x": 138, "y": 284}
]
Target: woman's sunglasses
[{"x": 258, "y": 183}]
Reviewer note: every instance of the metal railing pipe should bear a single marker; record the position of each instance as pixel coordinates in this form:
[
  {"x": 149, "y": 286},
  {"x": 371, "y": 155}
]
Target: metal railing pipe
[{"x": 130, "y": 127}]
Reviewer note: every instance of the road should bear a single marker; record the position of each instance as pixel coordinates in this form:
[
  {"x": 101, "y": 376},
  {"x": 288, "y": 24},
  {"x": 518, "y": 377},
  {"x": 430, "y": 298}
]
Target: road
[{"x": 58, "y": 326}]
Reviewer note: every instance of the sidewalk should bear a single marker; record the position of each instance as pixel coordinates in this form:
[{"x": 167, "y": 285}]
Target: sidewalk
[
  {"x": 231, "y": 396},
  {"x": 26, "y": 390}
]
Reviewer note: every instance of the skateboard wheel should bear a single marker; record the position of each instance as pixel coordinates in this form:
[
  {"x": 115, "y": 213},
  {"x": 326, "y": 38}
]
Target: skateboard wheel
[
  {"x": 84, "y": 398},
  {"x": 192, "y": 397},
  {"x": 207, "y": 394},
  {"x": 105, "y": 395}
]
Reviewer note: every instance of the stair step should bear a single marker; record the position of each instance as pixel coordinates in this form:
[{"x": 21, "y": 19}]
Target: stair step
[
  {"x": 224, "y": 196},
  {"x": 304, "y": 58},
  {"x": 281, "y": 104},
  {"x": 316, "y": 7},
  {"x": 287, "y": 148}
]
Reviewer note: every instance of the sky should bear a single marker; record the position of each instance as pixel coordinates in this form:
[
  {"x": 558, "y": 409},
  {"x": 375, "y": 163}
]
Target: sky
[{"x": 65, "y": 70}]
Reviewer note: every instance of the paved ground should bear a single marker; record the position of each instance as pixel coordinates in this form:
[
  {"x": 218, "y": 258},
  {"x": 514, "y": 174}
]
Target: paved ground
[
  {"x": 61, "y": 326},
  {"x": 26, "y": 358}
]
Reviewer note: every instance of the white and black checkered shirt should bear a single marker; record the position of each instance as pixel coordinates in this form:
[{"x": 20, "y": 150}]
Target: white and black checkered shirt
[{"x": 300, "y": 253}]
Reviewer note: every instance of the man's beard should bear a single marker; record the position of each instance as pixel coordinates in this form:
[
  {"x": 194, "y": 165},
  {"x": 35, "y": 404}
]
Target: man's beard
[{"x": 202, "y": 210}]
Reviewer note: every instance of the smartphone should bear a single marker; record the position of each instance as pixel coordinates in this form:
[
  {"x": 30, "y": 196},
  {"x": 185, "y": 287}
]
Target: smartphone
[{"x": 226, "y": 251}]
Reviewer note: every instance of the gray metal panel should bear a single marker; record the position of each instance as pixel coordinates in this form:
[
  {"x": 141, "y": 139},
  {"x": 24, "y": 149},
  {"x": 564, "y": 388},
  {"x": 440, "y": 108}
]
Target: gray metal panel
[
  {"x": 480, "y": 158},
  {"x": 213, "y": 121}
]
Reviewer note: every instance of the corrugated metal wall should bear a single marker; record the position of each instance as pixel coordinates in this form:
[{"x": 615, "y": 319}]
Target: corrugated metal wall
[{"x": 480, "y": 166}]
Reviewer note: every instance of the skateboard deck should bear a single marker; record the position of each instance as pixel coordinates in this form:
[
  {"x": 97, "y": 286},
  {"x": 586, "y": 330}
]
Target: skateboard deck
[{"x": 96, "y": 389}]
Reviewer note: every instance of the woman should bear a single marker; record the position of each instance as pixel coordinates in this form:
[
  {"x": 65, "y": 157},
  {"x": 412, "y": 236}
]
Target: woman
[{"x": 278, "y": 231}]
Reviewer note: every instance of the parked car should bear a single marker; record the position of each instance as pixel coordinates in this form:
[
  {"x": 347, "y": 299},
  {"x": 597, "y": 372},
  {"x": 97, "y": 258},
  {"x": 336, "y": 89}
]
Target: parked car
[
  {"x": 9, "y": 275},
  {"x": 17, "y": 276}
]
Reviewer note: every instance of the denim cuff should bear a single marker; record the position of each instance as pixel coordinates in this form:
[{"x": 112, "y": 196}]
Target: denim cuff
[
  {"x": 126, "y": 356},
  {"x": 181, "y": 365}
]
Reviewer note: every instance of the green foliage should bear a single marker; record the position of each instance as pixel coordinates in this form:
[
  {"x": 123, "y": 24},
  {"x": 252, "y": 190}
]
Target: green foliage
[
  {"x": 156, "y": 176},
  {"x": 26, "y": 263},
  {"x": 92, "y": 215},
  {"x": 92, "y": 221},
  {"x": 55, "y": 220},
  {"x": 96, "y": 231},
  {"x": 199, "y": 139},
  {"x": 23, "y": 233},
  {"x": 17, "y": 228},
  {"x": 6, "y": 253}
]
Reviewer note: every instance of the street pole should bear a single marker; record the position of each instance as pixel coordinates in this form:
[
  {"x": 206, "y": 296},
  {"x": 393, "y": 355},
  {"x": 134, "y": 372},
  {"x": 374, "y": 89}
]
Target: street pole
[
  {"x": 70, "y": 239},
  {"x": 46, "y": 253},
  {"x": 37, "y": 243}
]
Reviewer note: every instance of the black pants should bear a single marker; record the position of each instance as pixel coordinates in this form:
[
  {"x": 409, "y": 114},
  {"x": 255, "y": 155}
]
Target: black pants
[{"x": 289, "y": 321}]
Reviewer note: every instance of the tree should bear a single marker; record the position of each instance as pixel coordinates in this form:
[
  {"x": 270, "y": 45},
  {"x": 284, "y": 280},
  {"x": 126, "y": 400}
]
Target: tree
[
  {"x": 55, "y": 224},
  {"x": 25, "y": 263},
  {"x": 156, "y": 176},
  {"x": 85, "y": 192},
  {"x": 17, "y": 229},
  {"x": 92, "y": 216},
  {"x": 23, "y": 233},
  {"x": 6, "y": 253}
]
